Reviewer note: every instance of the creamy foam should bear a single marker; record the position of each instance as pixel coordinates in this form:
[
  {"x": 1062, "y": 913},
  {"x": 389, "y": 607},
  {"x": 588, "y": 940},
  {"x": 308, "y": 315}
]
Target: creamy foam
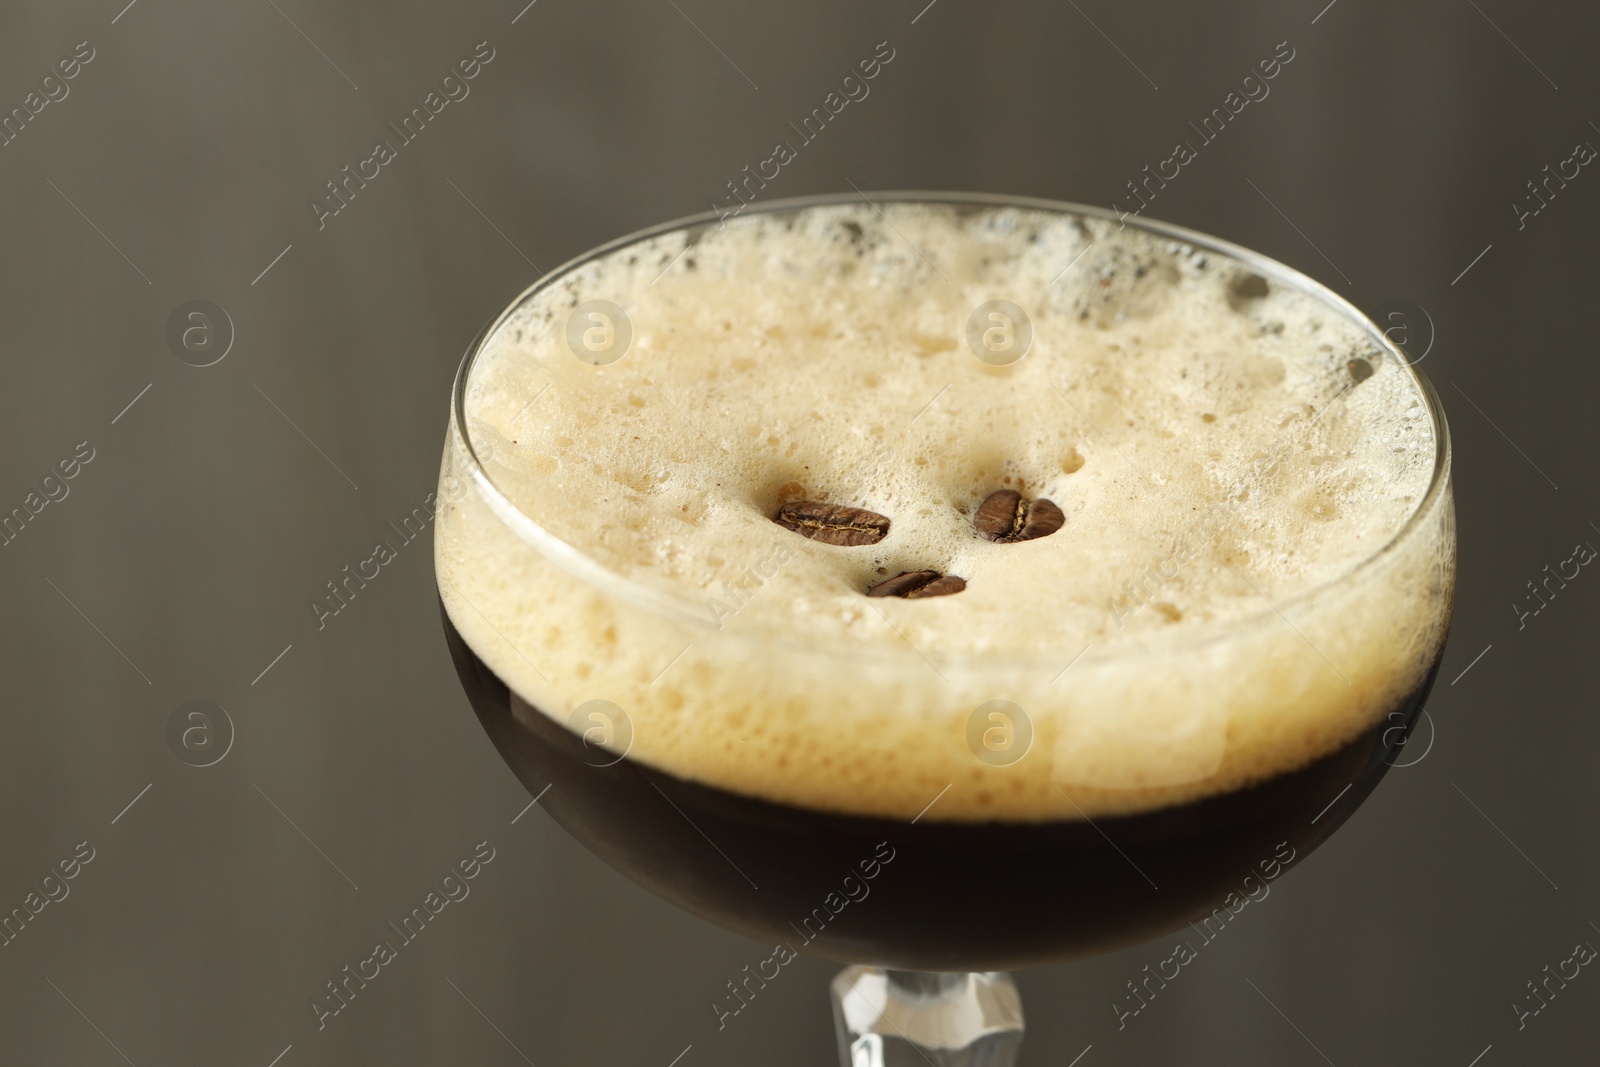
[{"x": 1231, "y": 454}]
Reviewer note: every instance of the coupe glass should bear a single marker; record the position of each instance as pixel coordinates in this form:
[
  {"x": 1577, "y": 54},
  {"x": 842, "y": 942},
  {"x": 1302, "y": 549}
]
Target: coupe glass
[{"x": 928, "y": 910}]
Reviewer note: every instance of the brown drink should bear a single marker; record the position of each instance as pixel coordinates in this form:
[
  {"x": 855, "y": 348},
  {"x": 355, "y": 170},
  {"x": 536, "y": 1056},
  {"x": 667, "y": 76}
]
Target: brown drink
[{"x": 952, "y": 896}]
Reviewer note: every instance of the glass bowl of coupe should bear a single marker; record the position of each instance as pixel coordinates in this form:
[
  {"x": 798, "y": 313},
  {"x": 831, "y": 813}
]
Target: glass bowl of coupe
[{"x": 943, "y": 583}]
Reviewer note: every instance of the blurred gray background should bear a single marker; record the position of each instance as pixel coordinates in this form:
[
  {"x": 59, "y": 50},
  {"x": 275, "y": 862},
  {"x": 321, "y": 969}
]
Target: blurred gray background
[{"x": 180, "y": 165}]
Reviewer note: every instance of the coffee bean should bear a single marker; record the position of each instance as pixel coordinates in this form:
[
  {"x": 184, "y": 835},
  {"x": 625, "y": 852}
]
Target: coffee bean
[
  {"x": 939, "y": 587},
  {"x": 1044, "y": 519},
  {"x": 914, "y": 585},
  {"x": 1006, "y": 518},
  {"x": 833, "y": 524},
  {"x": 903, "y": 583},
  {"x": 997, "y": 517}
]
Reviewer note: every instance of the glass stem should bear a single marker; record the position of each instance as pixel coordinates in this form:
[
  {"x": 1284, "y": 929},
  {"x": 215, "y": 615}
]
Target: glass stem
[{"x": 915, "y": 1018}]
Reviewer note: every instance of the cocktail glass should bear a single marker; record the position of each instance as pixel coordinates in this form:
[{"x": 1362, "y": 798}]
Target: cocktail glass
[{"x": 929, "y": 910}]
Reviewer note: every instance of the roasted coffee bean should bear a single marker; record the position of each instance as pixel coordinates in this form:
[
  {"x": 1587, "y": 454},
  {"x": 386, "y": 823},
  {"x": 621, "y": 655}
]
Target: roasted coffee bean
[
  {"x": 914, "y": 585},
  {"x": 833, "y": 524},
  {"x": 939, "y": 587},
  {"x": 997, "y": 517},
  {"x": 1044, "y": 519},
  {"x": 903, "y": 583},
  {"x": 1006, "y": 518}
]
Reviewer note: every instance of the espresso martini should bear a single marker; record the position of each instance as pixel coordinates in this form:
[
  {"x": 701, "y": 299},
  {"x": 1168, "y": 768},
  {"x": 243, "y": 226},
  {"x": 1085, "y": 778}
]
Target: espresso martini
[{"x": 943, "y": 585}]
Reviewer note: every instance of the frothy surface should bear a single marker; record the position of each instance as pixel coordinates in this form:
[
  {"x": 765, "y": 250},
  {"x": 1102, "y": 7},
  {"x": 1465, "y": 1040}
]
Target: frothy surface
[{"x": 1222, "y": 446}]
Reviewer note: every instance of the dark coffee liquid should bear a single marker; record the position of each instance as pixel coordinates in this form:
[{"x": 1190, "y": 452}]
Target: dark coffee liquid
[{"x": 928, "y": 896}]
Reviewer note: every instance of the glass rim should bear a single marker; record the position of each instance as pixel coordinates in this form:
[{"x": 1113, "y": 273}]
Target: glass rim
[{"x": 609, "y": 582}]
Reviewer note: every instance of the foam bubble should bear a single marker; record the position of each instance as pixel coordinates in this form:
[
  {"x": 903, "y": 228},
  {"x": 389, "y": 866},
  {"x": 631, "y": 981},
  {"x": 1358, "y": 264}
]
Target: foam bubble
[{"x": 1223, "y": 445}]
